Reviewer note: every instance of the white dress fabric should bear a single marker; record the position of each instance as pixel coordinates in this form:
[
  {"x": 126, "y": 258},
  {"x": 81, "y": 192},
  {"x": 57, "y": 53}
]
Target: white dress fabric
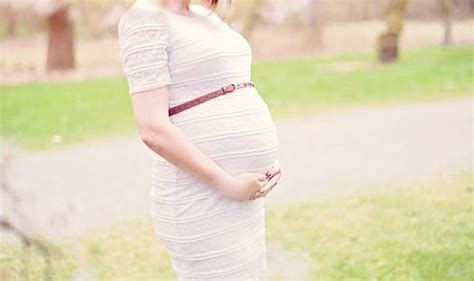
[{"x": 207, "y": 235}]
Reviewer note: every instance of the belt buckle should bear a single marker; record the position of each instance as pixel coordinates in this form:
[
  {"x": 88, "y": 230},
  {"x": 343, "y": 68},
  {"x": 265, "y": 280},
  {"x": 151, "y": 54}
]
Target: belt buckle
[{"x": 229, "y": 88}]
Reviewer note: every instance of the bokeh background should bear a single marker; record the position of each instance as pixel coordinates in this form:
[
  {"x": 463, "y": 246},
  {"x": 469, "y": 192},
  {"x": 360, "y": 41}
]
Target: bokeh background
[{"x": 373, "y": 105}]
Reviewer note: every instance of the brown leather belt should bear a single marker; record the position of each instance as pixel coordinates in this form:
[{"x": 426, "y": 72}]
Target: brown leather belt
[{"x": 222, "y": 91}]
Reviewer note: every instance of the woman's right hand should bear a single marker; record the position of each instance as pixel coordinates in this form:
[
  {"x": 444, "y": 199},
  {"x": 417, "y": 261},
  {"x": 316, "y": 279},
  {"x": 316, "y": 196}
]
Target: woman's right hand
[{"x": 244, "y": 185}]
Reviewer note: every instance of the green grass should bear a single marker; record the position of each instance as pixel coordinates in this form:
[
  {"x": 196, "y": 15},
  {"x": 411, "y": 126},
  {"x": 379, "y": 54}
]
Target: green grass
[
  {"x": 81, "y": 111},
  {"x": 306, "y": 85},
  {"x": 77, "y": 111},
  {"x": 410, "y": 233},
  {"x": 124, "y": 251},
  {"x": 414, "y": 232}
]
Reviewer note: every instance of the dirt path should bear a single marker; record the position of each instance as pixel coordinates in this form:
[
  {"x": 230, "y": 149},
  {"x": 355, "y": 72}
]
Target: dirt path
[
  {"x": 69, "y": 190},
  {"x": 337, "y": 153}
]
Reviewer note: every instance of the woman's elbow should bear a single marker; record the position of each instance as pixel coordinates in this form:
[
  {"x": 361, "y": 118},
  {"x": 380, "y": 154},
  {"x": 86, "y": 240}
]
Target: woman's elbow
[{"x": 152, "y": 134}]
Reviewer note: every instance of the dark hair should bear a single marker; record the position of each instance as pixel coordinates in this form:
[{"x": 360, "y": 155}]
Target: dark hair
[{"x": 213, "y": 3}]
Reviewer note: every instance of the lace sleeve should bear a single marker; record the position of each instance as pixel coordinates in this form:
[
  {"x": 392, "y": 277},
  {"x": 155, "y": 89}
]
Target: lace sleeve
[{"x": 144, "y": 42}]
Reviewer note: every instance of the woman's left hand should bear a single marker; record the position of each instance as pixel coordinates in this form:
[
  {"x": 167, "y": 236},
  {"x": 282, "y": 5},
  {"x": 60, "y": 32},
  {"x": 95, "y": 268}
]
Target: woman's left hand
[{"x": 273, "y": 176}]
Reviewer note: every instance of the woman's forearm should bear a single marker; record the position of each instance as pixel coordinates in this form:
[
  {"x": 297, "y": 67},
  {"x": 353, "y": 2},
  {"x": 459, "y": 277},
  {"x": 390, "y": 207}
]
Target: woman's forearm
[{"x": 171, "y": 143}]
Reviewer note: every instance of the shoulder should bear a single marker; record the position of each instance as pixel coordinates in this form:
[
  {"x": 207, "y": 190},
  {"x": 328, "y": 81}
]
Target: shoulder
[
  {"x": 140, "y": 16},
  {"x": 200, "y": 8}
]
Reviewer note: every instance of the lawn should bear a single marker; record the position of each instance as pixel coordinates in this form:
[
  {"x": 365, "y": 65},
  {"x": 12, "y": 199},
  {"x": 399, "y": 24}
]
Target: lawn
[
  {"x": 413, "y": 232},
  {"x": 40, "y": 116}
]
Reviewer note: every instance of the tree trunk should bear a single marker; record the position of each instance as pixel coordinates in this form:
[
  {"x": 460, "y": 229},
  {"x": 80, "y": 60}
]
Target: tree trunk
[
  {"x": 315, "y": 24},
  {"x": 10, "y": 21},
  {"x": 388, "y": 51},
  {"x": 447, "y": 8},
  {"x": 60, "y": 40},
  {"x": 388, "y": 42}
]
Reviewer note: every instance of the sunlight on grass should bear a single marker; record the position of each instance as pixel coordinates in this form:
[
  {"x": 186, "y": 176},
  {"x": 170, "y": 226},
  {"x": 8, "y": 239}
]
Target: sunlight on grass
[
  {"x": 295, "y": 86},
  {"x": 123, "y": 251},
  {"x": 415, "y": 232},
  {"x": 39, "y": 116}
]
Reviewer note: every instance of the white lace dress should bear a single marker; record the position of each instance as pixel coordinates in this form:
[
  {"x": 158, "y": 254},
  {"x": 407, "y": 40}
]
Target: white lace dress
[{"x": 208, "y": 236}]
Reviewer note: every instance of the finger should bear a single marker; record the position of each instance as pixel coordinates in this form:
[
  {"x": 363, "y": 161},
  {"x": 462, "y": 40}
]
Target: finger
[
  {"x": 265, "y": 193},
  {"x": 272, "y": 181},
  {"x": 260, "y": 186},
  {"x": 273, "y": 175},
  {"x": 268, "y": 187},
  {"x": 257, "y": 191},
  {"x": 261, "y": 195},
  {"x": 262, "y": 178},
  {"x": 274, "y": 170},
  {"x": 253, "y": 196}
]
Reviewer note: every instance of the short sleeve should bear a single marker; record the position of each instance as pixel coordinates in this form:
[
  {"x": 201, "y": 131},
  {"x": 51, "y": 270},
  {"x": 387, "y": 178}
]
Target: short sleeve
[{"x": 144, "y": 44}]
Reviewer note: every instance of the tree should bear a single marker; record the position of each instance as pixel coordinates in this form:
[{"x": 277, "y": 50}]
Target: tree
[
  {"x": 10, "y": 19},
  {"x": 252, "y": 17},
  {"x": 388, "y": 41},
  {"x": 61, "y": 43},
  {"x": 315, "y": 23},
  {"x": 61, "y": 38},
  {"x": 59, "y": 25},
  {"x": 447, "y": 8},
  {"x": 60, "y": 29}
]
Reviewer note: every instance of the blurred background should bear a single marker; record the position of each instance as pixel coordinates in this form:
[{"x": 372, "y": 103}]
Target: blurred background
[{"x": 374, "y": 109}]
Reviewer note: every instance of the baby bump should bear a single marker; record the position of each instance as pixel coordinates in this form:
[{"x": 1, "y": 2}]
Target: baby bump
[{"x": 236, "y": 131}]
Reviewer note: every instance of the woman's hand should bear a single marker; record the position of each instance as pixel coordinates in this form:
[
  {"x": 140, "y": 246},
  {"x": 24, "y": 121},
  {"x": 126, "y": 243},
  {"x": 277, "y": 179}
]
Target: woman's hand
[
  {"x": 243, "y": 186},
  {"x": 273, "y": 177}
]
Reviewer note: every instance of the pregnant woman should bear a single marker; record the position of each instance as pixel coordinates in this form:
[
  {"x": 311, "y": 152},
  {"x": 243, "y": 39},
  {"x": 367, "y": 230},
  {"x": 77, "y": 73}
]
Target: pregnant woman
[{"x": 214, "y": 141}]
